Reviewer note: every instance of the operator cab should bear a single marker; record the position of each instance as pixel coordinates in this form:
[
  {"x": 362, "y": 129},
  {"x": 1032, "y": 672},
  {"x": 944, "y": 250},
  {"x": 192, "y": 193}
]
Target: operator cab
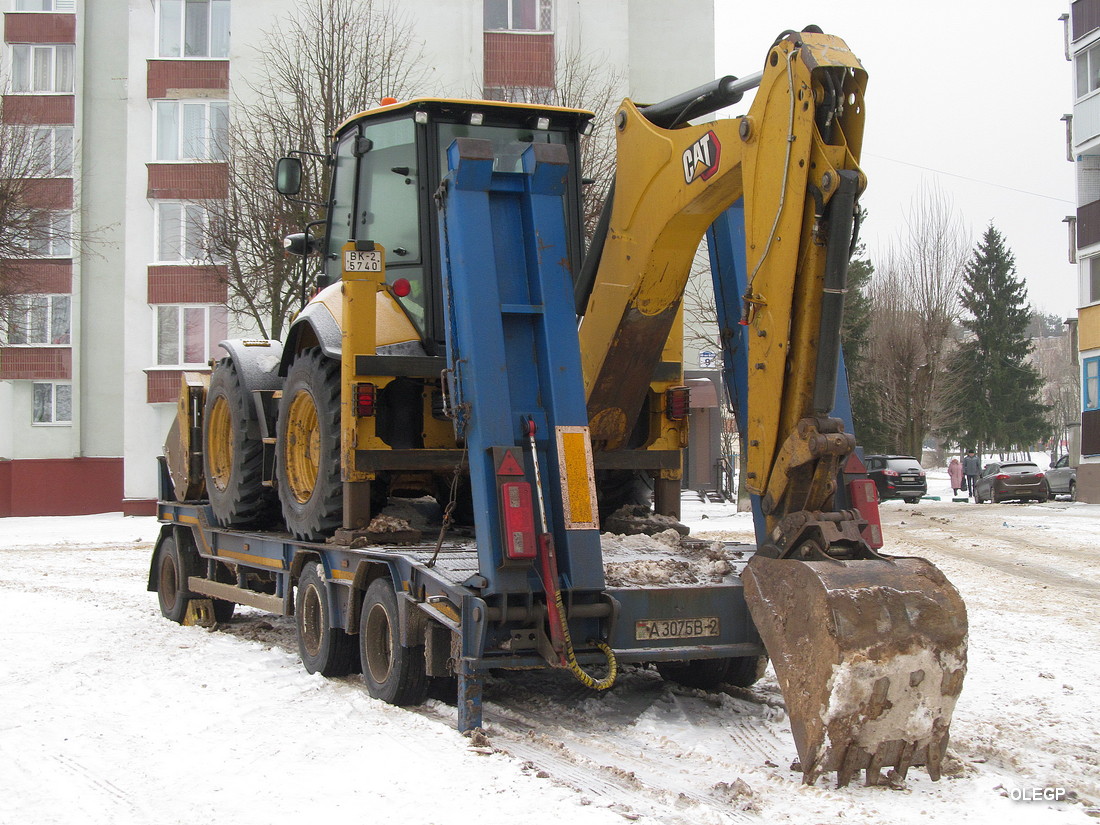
[{"x": 387, "y": 164}]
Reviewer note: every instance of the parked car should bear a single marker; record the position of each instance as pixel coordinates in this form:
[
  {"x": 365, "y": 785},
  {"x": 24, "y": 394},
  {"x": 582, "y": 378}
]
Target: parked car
[
  {"x": 1062, "y": 478},
  {"x": 897, "y": 476},
  {"x": 1011, "y": 481}
]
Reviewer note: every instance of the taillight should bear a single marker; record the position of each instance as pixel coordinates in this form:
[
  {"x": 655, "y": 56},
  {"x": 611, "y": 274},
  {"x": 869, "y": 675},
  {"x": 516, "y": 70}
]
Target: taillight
[
  {"x": 364, "y": 400},
  {"x": 890, "y": 473},
  {"x": 677, "y": 403},
  {"x": 1039, "y": 475},
  {"x": 1002, "y": 476},
  {"x": 401, "y": 287}
]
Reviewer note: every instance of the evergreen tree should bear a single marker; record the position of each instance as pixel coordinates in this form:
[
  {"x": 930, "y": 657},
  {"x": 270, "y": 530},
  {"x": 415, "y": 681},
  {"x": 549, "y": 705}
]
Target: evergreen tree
[
  {"x": 854, "y": 335},
  {"x": 997, "y": 403}
]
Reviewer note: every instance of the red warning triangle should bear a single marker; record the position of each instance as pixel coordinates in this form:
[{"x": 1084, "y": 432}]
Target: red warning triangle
[{"x": 509, "y": 466}]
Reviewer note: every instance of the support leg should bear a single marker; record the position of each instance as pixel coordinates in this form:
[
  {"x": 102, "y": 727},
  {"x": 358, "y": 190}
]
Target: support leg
[{"x": 469, "y": 699}]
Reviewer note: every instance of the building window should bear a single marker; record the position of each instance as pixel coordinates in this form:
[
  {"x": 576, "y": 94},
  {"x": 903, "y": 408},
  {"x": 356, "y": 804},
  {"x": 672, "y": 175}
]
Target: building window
[
  {"x": 45, "y": 5},
  {"x": 52, "y": 148},
  {"x": 192, "y": 131},
  {"x": 1091, "y": 383},
  {"x": 181, "y": 232},
  {"x": 37, "y": 320},
  {"x": 188, "y": 335},
  {"x": 1088, "y": 70},
  {"x": 53, "y": 238},
  {"x": 1094, "y": 280},
  {"x": 53, "y": 403},
  {"x": 518, "y": 15},
  {"x": 193, "y": 28},
  {"x": 36, "y": 69}
]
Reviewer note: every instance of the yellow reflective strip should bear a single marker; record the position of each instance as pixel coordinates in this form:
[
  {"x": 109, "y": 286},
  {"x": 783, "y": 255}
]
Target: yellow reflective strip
[
  {"x": 578, "y": 482},
  {"x": 343, "y": 574},
  {"x": 251, "y": 559}
]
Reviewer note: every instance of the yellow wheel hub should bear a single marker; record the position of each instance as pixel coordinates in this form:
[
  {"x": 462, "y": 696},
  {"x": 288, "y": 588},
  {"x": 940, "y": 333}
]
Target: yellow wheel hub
[
  {"x": 219, "y": 449},
  {"x": 302, "y": 448}
]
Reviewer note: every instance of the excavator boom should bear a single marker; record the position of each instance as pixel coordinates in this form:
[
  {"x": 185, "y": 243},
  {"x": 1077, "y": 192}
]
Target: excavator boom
[{"x": 870, "y": 651}]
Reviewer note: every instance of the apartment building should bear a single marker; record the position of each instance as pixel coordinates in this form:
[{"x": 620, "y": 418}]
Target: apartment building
[
  {"x": 1082, "y": 26},
  {"x": 130, "y": 98}
]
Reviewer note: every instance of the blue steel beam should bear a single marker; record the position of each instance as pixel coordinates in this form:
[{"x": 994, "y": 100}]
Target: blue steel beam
[{"x": 511, "y": 341}]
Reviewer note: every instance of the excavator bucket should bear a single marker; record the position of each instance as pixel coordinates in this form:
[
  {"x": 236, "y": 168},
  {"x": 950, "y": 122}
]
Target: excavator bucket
[{"x": 870, "y": 656}]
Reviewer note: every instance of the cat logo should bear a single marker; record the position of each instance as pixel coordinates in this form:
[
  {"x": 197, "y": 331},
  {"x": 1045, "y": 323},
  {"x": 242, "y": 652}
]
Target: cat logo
[{"x": 701, "y": 158}]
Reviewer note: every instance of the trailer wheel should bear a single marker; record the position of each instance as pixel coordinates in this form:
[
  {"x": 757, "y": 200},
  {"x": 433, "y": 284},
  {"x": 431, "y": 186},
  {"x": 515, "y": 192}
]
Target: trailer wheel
[
  {"x": 232, "y": 457},
  {"x": 172, "y": 573},
  {"x": 324, "y": 649},
  {"x": 392, "y": 673},
  {"x": 741, "y": 671},
  {"x": 308, "y": 453}
]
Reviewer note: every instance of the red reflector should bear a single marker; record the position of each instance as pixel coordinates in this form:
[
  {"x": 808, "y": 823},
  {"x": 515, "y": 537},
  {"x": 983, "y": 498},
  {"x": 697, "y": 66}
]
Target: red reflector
[
  {"x": 864, "y": 496},
  {"x": 519, "y": 520},
  {"x": 401, "y": 287},
  {"x": 677, "y": 403},
  {"x": 364, "y": 400}
]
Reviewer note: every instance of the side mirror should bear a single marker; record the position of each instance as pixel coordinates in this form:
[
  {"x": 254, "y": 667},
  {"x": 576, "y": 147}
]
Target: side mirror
[{"x": 288, "y": 176}]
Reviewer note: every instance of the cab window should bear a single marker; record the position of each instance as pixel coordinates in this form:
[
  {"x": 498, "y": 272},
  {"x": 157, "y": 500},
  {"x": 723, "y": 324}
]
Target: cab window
[{"x": 388, "y": 206}]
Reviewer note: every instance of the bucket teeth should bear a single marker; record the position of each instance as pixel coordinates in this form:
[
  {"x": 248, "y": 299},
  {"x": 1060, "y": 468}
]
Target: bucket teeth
[{"x": 870, "y": 656}]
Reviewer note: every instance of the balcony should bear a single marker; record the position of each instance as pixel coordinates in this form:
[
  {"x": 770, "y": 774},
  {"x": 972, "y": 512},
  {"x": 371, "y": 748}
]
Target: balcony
[
  {"x": 1085, "y": 15},
  {"x": 1088, "y": 224}
]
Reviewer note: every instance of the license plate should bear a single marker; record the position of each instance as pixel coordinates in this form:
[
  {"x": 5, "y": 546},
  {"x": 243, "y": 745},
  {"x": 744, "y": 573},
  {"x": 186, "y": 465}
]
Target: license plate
[
  {"x": 649, "y": 629},
  {"x": 362, "y": 262}
]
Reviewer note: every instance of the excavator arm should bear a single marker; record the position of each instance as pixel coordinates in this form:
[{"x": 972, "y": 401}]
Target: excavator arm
[{"x": 869, "y": 650}]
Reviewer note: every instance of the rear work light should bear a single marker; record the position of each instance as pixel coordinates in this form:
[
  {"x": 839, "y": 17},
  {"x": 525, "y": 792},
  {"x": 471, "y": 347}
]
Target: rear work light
[
  {"x": 677, "y": 403},
  {"x": 364, "y": 400}
]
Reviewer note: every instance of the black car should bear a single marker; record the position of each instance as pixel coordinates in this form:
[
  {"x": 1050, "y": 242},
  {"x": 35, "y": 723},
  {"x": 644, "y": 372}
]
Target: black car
[{"x": 897, "y": 476}]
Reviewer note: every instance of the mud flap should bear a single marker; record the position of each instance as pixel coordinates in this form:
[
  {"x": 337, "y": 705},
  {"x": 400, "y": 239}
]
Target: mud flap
[{"x": 870, "y": 657}]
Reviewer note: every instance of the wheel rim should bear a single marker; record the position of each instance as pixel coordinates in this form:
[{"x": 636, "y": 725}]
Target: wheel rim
[
  {"x": 311, "y": 619},
  {"x": 302, "y": 446},
  {"x": 378, "y": 644},
  {"x": 219, "y": 448},
  {"x": 168, "y": 581}
]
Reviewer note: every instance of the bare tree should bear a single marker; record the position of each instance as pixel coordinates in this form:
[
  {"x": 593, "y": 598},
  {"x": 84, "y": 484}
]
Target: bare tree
[
  {"x": 29, "y": 157},
  {"x": 315, "y": 67},
  {"x": 581, "y": 81}
]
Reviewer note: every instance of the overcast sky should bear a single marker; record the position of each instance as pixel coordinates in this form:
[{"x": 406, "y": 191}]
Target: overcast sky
[{"x": 966, "y": 96}]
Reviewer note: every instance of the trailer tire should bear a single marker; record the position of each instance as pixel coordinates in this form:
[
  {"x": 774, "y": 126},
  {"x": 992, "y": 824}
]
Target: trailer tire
[
  {"x": 705, "y": 674},
  {"x": 324, "y": 649},
  {"x": 392, "y": 673},
  {"x": 173, "y": 571},
  {"x": 232, "y": 453},
  {"x": 308, "y": 447},
  {"x": 223, "y": 610}
]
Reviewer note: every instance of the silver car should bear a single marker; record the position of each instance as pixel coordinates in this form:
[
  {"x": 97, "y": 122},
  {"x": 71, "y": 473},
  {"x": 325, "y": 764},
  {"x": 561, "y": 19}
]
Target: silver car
[{"x": 1062, "y": 478}]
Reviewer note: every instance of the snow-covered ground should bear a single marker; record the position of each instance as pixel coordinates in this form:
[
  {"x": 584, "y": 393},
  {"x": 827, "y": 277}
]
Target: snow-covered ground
[{"x": 111, "y": 714}]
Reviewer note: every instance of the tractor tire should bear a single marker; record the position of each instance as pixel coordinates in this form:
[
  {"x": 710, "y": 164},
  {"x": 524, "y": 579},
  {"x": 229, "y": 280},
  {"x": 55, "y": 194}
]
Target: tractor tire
[
  {"x": 392, "y": 673},
  {"x": 324, "y": 649},
  {"x": 173, "y": 570},
  {"x": 706, "y": 674},
  {"x": 307, "y": 464},
  {"x": 232, "y": 453}
]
